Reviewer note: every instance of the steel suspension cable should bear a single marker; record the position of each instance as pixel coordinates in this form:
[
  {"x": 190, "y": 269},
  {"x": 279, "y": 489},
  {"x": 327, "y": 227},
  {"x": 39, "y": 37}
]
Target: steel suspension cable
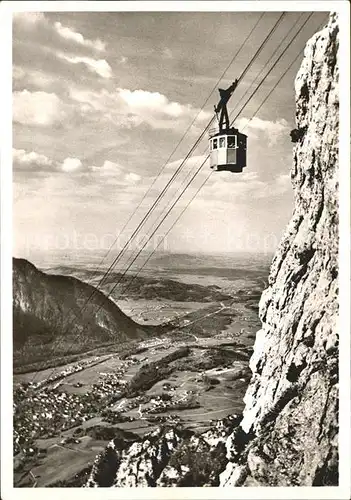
[
  {"x": 157, "y": 227},
  {"x": 248, "y": 100},
  {"x": 273, "y": 65},
  {"x": 198, "y": 170},
  {"x": 174, "y": 150},
  {"x": 167, "y": 232}
]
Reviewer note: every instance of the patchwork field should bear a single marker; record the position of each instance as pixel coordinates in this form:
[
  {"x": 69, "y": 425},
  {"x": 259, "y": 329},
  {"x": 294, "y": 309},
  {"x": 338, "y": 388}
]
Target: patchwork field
[{"x": 196, "y": 372}]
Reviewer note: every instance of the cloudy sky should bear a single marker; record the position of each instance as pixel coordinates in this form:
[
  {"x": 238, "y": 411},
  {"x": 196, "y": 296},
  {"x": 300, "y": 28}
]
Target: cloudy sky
[{"x": 101, "y": 100}]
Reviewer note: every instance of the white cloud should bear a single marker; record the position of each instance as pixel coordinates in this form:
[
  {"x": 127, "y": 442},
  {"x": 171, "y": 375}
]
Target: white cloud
[
  {"x": 99, "y": 66},
  {"x": 29, "y": 19},
  {"x": 71, "y": 165},
  {"x": 37, "y": 108},
  {"x": 130, "y": 108},
  {"x": 108, "y": 173},
  {"x": 23, "y": 160},
  {"x": 69, "y": 34}
]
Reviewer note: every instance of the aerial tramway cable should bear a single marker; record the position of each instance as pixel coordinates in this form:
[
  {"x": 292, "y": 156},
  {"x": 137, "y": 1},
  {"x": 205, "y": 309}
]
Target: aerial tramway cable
[
  {"x": 171, "y": 155},
  {"x": 273, "y": 66},
  {"x": 270, "y": 58},
  {"x": 167, "y": 232},
  {"x": 277, "y": 83},
  {"x": 188, "y": 155},
  {"x": 203, "y": 183},
  {"x": 198, "y": 170},
  {"x": 196, "y": 173},
  {"x": 254, "y": 57},
  {"x": 258, "y": 75}
]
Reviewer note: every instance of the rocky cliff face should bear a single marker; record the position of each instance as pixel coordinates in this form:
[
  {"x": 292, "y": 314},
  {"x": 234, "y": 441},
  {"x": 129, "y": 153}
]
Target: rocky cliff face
[
  {"x": 288, "y": 433},
  {"x": 51, "y": 310},
  {"x": 169, "y": 456},
  {"x": 292, "y": 400}
]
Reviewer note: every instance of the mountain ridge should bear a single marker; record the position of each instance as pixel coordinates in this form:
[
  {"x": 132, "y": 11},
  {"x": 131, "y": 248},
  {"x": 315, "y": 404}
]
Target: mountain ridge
[
  {"x": 51, "y": 310},
  {"x": 288, "y": 435}
]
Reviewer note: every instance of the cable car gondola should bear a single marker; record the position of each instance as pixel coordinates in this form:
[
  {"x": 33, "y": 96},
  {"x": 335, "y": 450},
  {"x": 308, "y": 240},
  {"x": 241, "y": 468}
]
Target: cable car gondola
[{"x": 227, "y": 145}]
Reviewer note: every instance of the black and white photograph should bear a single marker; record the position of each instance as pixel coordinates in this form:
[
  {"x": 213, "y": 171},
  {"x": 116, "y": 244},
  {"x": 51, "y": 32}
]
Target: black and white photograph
[{"x": 175, "y": 249}]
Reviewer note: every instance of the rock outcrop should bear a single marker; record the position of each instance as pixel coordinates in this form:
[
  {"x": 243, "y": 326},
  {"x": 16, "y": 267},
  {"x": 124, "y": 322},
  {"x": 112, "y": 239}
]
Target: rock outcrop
[
  {"x": 291, "y": 405},
  {"x": 51, "y": 310}
]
